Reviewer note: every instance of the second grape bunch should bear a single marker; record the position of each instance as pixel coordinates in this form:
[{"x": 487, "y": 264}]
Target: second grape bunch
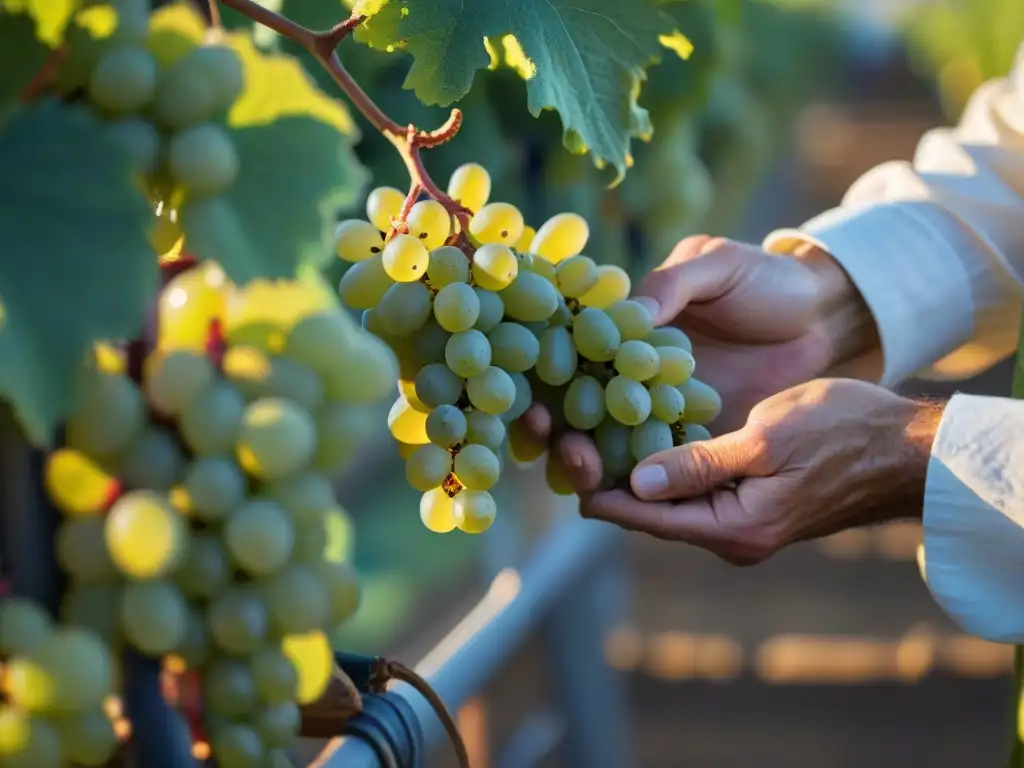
[{"x": 487, "y": 321}]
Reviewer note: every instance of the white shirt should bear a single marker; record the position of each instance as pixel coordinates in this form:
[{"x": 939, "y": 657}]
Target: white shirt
[{"x": 936, "y": 247}]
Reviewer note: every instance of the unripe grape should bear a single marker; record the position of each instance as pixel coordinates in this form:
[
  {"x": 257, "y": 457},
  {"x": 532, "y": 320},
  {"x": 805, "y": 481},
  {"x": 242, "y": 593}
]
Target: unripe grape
[
  {"x": 124, "y": 79},
  {"x": 447, "y": 265},
  {"x": 203, "y": 160}
]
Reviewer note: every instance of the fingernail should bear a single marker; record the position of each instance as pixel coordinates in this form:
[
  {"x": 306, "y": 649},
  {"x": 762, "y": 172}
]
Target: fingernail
[
  {"x": 652, "y": 305},
  {"x": 649, "y": 480}
]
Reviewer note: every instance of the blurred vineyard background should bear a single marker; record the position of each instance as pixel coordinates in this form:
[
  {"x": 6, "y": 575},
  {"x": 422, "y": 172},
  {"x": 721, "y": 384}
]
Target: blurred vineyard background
[{"x": 832, "y": 654}]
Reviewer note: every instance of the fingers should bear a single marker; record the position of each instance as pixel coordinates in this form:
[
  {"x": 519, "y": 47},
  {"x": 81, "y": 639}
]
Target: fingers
[
  {"x": 583, "y": 462},
  {"x": 538, "y": 420},
  {"x": 695, "y": 469}
]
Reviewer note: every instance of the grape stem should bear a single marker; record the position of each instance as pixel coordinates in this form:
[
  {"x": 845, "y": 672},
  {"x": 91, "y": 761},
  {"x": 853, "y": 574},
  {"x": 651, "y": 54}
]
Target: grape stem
[
  {"x": 408, "y": 140},
  {"x": 42, "y": 79}
]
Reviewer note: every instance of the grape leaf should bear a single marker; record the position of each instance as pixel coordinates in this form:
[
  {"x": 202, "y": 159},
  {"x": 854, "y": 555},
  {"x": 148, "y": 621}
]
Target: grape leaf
[
  {"x": 586, "y": 58},
  {"x": 22, "y": 55},
  {"x": 77, "y": 265},
  {"x": 49, "y": 16}
]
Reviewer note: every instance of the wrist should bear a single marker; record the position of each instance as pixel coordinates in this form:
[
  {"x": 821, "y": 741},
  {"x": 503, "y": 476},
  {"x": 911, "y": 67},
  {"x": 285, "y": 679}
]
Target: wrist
[{"x": 907, "y": 454}]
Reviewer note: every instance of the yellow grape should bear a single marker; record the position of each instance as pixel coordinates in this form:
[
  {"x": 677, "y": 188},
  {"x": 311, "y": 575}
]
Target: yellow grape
[
  {"x": 494, "y": 266},
  {"x": 612, "y": 287},
  {"x": 470, "y": 186},
  {"x": 364, "y": 284},
  {"x": 474, "y": 511},
  {"x": 437, "y": 511},
  {"x": 523, "y": 243},
  {"x": 407, "y": 425},
  {"x": 76, "y": 485},
  {"x": 430, "y": 222},
  {"x": 560, "y": 237},
  {"x": 405, "y": 259},
  {"x": 496, "y": 223},
  {"x": 384, "y": 204},
  {"x": 166, "y": 236},
  {"x": 313, "y": 659},
  {"x": 703, "y": 403},
  {"x": 145, "y": 535},
  {"x": 189, "y": 304},
  {"x": 356, "y": 240}
]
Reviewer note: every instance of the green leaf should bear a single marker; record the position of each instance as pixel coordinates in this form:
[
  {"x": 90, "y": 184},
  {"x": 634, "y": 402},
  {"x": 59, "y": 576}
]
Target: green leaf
[
  {"x": 77, "y": 266},
  {"x": 295, "y": 173},
  {"x": 22, "y": 55},
  {"x": 584, "y": 58}
]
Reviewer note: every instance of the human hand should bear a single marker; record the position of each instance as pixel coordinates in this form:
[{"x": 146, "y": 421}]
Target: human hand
[{"x": 810, "y": 461}]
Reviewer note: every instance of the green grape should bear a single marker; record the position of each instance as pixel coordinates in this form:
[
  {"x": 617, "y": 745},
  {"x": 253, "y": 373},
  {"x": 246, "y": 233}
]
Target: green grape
[
  {"x": 239, "y": 620},
  {"x": 476, "y": 467},
  {"x": 427, "y": 467},
  {"x": 213, "y": 485},
  {"x": 667, "y": 403},
  {"x": 142, "y": 143},
  {"x": 485, "y": 429},
  {"x": 437, "y": 385},
  {"x": 456, "y": 307},
  {"x": 153, "y": 461},
  {"x": 632, "y": 319},
  {"x": 278, "y": 725},
  {"x": 382, "y": 205},
  {"x": 447, "y": 265},
  {"x": 496, "y": 223},
  {"x": 154, "y": 616},
  {"x": 530, "y": 298},
  {"x": 595, "y": 335},
  {"x": 627, "y": 401},
  {"x": 576, "y": 275},
  {"x": 675, "y": 366},
  {"x": 229, "y": 688},
  {"x": 259, "y": 537},
  {"x": 494, "y": 266},
  {"x": 108, "y": 415},
  {"x": 406, "y": 424},
  {"x": 492, "y": 391},
  {"x": 429, "y": 343},
  {"x": 124, "y": 79},
  {"x": 446, "y": 426},
  {"x": 132, "y": 21},
  {"x": 306, "y": 497},
  {"x": 369, "y": 375},
  {"x": 94, "y": 606},
  {"x": 24, "y": 625},
  {"x": 669, "y": 336},
  {"x": 196, "y": 646},
  {"x": 523, "y": 400},
  {"x": 405, "y": 259},
  {"x": 223, "y": 67},
  {"x": 87, "y": 738},
  {"x": 207, "y": 568},
  {"x": 365, "y": 283},
  {"x": 257, "y": 375},
  {"x": 28, "y": 742},
  {"x": 212, "y": 423},
  {"x": 557, "y": 474},
  {"x": 203, "y": 160},
  {"x": 556, "y": 363},
  {"x": 310, "y": 543},
  {"x": 323, "y": 342},
  {"x": 278, "y": 438},
  {"x": 175, "y": 379},
  {"x": 82, "y": 550},
  {"x": 524, "y": 446},
  {"x": 404, "y": 308},
  {"x": 474, "y": 511},
  {"x": 470, "y": 186},
  {"x": 637, "y": 360},
  {"x": 560, "y": 237},
  {"x": 357, "y": 240},
  {"x": 145, "y": 535},
  {"x": 274, "y": 675},
  {"x": 612, "y": 286},
  {"x": 468, "y": 353},
  {"x": 430, "y": 222},
  {"x": 342, "y": 584},
  {"x": 545, "y": 269},
  {"x": 612, "y": 440},
  {"x": 298, "y": 600},
  {"x": 277, "y": 758},
  {"x": 342, "y": 429},
  {"x": 513, "y": 347},
  {"x": 649, "y": 438},
  {"x": 437, "y": 511},
  {"x": 703, "y": 404},
  {"x": 185, "y": 93},
  {"x": 563, "y": 315},
  {"x": 491, "y": 309},
  {"x": 584, "y": 406}
]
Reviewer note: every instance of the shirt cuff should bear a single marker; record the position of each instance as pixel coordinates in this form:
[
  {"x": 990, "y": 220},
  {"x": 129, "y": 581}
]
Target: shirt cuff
[
  {"x": 903, "y": 258},
  {"x": 974, "y": 516}
]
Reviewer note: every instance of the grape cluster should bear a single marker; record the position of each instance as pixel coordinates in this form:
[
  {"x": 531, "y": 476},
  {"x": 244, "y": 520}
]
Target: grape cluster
[
  {"x": 199, "y": 524},
  {"x": 488, "y": 320},
  {"x": 56, "y": 682}
]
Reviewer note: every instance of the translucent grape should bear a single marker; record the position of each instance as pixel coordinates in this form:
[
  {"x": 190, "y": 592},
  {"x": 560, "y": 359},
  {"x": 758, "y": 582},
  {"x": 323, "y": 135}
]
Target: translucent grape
[
  {"x": 405, "y": 259},
  {"x": 494, "y": 266},
  {"x": 556, "y": 363},
  {"x": 364, "y": 283},
  {"x": 530, "y": 298},
  {"x": 76, "y": 485},
  {"x": 669, "y": 336},
  {"x": 496, "y": 223},
  {"x": 207, "y": 568},
  {"x": 513, "y": 347},
  {"x": 476, "y": 467},
  {"x": 213, "y": 421},
  {"x": 342, "y": 429},
  {"x": 576, "y": 275},
  {"x": 430, "y": 223},
  {"x": 145, "y": 535},
  {"x": 297, "y": 599},
  {"x": 557, "y": 474},
  {"x": 124, "y": 79},
  {"x": 82, "y": 550},
  {"x": 342, "y": 586},
  {"x": 153, "y": 461},
  {"x": 703, "y": 403},
  {"x": 174, "y": 379},
  {"x": 627, "y": 401},
  {"x": 468, "y": 353},
  {"x": 474, "y": 511},
  {"x": 675, "y": 367},
  {"x": 545, "y": 269},
  {"x": 369, "y": 374},
  {"x": 595, "y": 335},
  {"x": 259, "y": 536},
  {"x": 203, "y": 160},
  {"x": 667, "y": 403},
  {"x": 695, "y": 433},
  {"x": 637, "y": 360},
  {"x": 560, "y": 237},
  {"x": 612, "y": 441},
  {"x": 485, "y": 429},
  {"x": 407, "y": 425},
  {"x": 653, "y": 436},
  {"x": 456, "y": 307},
  {"x": 522, "y": 245},
  {"x": 470, "y": 186},
  {"x": 632, "y": 319},
  {"x": 154, "y": 616},
  {"x": 584, "y": 406},
  {"x": 404, "y": 308},
  {"x": 427, "y": 467},
  {"x": 437, "y": 385},
  {"x": 357, "y": 240},
  {"x": 382, "y": 205},
  {"x": 446, "y": 426},
  {"x": 492, "y": 391},
  {"x": 188, "y": 305},
  {"x": 238, "y": 620},
  {"x": 108, "y": 415},
  {"x": 491, "y": 309},
  {"x": 523, "y": 444},
  {"x": 612, "y": 286},
  {"x": 437, "y": 511},
  {"x": 447, "y": 265}
]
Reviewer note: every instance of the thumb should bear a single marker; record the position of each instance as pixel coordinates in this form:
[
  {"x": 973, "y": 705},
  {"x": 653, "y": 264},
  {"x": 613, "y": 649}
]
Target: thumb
[{"x": 694, "y": 469}]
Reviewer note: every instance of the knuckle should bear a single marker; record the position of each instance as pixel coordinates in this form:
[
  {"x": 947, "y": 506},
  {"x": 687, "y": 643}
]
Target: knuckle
[{"x": 697, "y": 467}]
